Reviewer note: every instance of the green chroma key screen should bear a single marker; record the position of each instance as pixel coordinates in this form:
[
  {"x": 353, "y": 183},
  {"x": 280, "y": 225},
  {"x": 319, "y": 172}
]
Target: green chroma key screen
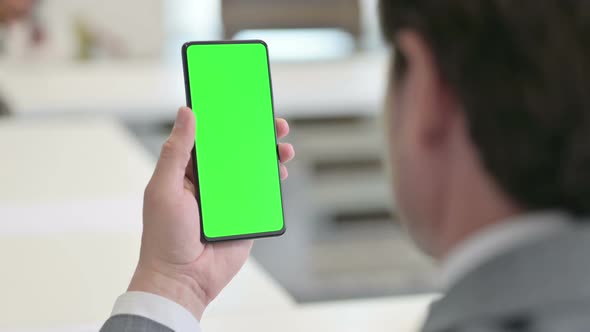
[{"x": 229, "y": 89}]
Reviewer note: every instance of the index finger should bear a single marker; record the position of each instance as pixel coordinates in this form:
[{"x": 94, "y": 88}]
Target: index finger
[{"x": 282, "y": 127}]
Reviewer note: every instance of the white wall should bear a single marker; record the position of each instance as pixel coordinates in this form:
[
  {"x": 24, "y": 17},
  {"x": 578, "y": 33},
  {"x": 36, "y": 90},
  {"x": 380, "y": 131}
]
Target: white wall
[{"x": 199, "y": 19}]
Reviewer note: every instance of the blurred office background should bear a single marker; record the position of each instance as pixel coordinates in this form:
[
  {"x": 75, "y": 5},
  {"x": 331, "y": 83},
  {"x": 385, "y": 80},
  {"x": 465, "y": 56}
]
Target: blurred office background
[{"x": 83, "y": 61}]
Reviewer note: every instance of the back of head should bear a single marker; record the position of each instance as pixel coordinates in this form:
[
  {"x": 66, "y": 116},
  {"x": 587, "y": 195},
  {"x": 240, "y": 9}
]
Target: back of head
[{"x": 521, "y": 70}]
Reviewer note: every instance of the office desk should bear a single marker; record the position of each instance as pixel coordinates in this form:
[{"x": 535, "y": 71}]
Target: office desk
[
  {"x": 151, "y": 91},
  {"x": 70, "y": 224}
]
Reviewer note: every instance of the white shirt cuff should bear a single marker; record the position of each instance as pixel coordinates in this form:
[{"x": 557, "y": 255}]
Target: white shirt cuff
[{"x": 158, "y": 309}]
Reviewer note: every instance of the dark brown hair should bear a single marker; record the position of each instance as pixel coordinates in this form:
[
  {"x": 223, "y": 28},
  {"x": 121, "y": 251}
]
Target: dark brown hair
[{"x": 521, "y": 69}]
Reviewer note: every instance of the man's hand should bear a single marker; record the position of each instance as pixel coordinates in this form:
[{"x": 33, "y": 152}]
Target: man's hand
[{"x": 173, "y": 262}]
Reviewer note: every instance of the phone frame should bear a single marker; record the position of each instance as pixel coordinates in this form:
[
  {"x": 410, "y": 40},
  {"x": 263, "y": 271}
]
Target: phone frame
[{"x": 204, "y": 238}]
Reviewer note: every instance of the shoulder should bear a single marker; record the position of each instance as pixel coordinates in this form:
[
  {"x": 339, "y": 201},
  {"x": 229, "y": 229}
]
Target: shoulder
[{"x": 542, "y": 284}]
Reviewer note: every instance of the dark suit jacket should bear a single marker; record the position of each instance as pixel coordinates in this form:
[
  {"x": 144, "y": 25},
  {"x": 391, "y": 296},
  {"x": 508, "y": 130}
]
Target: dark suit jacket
[
  {"x": 544, "y": 286},
  {"x": 129, "y": 323}
]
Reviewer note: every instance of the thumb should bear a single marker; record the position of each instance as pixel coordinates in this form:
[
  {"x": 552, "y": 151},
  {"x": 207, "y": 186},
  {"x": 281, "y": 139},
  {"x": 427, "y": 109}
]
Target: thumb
[{"x": 176, "y": 151}]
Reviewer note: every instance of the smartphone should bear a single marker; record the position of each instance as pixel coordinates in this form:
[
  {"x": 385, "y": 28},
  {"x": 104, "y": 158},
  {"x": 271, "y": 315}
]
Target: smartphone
[{"x": 236, "y": 162}]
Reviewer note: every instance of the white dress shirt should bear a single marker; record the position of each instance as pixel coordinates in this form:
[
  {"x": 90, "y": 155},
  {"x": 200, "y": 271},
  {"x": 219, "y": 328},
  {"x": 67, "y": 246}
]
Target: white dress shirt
[
  {"x": 157, "y": 308},
  {"x": 498, "y": 239}
]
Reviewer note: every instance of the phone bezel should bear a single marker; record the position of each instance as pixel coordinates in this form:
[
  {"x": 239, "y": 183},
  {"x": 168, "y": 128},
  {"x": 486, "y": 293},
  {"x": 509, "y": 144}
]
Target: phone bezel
[{"x": 205, "y": 238}]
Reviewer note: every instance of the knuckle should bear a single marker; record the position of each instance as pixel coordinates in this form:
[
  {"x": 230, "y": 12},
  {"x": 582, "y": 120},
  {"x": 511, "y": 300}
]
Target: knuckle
[
  {"x": 148, "y": 192},
  {"x": 154, "y": 198},
  {"x": 168, "y": 148}
]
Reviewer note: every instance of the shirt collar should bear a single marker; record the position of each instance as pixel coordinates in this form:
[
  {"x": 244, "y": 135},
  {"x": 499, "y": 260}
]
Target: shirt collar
[{"x": 498, "y": 239}]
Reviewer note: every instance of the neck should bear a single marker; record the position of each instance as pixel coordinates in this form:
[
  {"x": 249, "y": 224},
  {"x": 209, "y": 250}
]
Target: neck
[
  {"x": 474, "y": 203},
  {"x": 467, "y": 225}
]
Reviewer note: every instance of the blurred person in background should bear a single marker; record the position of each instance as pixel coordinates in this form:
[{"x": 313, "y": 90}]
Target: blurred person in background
[
  {"x": 489, "y": 125},
  {"x": 12, "y": 11}
]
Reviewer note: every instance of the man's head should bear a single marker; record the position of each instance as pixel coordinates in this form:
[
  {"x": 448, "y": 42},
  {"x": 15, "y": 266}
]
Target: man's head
[{"x": 490, "y": 111}]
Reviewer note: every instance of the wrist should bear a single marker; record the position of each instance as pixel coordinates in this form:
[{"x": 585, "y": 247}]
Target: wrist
[{"x": 179, "y": 288}]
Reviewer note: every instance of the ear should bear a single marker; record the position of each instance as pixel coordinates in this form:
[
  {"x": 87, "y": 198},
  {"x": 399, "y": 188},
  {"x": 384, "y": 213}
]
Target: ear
[{"x": 433, "y": 107}]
